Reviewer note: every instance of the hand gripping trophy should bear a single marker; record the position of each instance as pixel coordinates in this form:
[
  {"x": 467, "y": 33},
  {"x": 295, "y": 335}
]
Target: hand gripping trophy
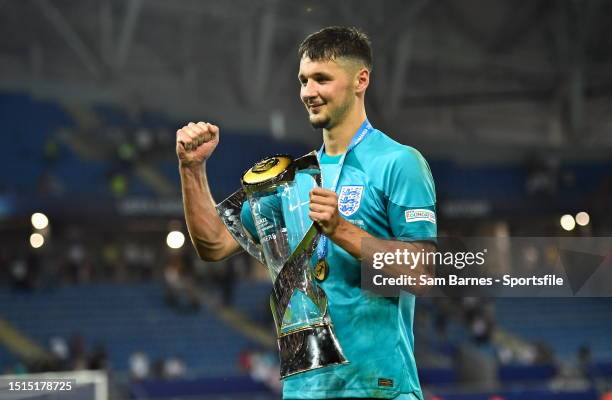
[{"x": 273, "y": 190}]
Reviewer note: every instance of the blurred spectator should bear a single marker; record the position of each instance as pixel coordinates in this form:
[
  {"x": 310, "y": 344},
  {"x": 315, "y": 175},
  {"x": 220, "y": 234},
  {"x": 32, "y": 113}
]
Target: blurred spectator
[
  {"x": 118, "y": 184},
  {"x": 543, "y": 176},
  {"x": 24, "y": 271},
  {"x": 478, "y": 316},
  {"x": 174, "y": 368},
  {"x": 19, "y": 273},
  {"x": 481, "y": 329},
  {"x": 144, "y": 140},
  {"x": 50, "y": 151},
  {"x": 544, "y": 353},
  {"x": 504, "y": 354},
  {"x": 131, "y": 255},
  {"x": 18, "y": 368},
  {"x": 99, "y": 358},
  {"x": 263, "y": 367},
  {"x": 77, "y": 352},
  {"x": 76, "y": 256},
  {"x": 126, "y": 154},
  {"x": 147, "y": 263},
  {"x": 441, "y": 318},
  {"x": 181, "y": 292},
  {"x": 244, "y": 360},
  {"x": 470, "y": 307},
  {"x": 584, "y": 358},
  {"x": 139, "y": 260},
  {"x": 227, "y": 280},
  {"x": 173, "y": 283},
  {"x": 139, "y": 366},
  {"x": 115, "y": 266},
  {"x": 60, "y": 351}
]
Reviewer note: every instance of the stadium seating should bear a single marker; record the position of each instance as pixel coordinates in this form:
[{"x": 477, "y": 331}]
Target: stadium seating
[
  {"x": 126, "y": 319},
  {"x": 24, "y": 138},
  {"x": 565, "y": 324}
]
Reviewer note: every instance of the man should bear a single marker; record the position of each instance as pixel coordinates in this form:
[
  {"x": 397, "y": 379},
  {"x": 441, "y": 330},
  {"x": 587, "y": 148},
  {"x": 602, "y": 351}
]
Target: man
[{"x": 372, "y": 187}]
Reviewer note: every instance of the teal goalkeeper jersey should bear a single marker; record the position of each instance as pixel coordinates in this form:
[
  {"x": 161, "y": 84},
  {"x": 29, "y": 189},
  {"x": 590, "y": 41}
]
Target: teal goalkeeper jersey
[{"x": 386, "y": 189}]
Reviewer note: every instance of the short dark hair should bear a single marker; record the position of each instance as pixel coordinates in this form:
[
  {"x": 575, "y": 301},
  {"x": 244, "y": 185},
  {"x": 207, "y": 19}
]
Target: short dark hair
[{"x": 337, "y": 41}]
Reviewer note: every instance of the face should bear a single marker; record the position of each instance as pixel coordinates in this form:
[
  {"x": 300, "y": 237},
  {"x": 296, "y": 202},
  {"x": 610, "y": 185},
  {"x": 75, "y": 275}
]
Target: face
[{"x": 327, "y": 91}]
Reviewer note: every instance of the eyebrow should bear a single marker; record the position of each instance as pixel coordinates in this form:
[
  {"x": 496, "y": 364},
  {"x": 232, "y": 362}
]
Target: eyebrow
[{"x": 315, "y": 75}]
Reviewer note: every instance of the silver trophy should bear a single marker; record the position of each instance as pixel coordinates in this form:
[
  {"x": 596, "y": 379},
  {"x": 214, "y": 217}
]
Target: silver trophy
[{"x": 276, "y": 189}]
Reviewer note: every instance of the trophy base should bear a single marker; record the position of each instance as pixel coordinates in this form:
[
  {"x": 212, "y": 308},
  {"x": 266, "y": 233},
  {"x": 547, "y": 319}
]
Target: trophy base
[{"x": 307, "y": 349}]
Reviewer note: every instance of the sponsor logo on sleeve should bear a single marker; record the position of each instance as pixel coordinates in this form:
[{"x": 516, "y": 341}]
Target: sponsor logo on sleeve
[
  {"x": 385, "y": 382},
  {"x": 420, "y": 214}
]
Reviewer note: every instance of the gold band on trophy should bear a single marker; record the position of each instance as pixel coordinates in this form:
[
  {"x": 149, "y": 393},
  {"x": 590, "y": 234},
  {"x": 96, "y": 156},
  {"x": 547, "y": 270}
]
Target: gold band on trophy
[{"x": 266, "y": 169}]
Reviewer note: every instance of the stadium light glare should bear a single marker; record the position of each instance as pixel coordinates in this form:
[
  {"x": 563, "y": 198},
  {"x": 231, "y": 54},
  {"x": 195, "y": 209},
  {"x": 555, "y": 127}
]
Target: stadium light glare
[
  {"x": 37, "y": 240},
  {"x": 567, "y": 222},
  {"x": 39, "y": 220},
  {"x": 175, "y": 239},
  {"x": 583, "y": 218}
]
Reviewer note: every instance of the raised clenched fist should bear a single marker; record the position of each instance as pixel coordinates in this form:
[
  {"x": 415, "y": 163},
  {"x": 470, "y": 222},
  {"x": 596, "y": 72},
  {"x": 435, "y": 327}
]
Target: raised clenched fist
[{"x": 196, "y": 142}]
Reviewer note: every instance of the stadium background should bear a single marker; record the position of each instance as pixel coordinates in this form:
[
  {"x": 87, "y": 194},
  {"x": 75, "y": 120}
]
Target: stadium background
[{"x": 508, "y": 100}]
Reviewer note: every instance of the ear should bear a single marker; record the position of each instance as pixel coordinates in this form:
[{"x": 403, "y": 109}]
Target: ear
[{"x": 362, "y": 80}]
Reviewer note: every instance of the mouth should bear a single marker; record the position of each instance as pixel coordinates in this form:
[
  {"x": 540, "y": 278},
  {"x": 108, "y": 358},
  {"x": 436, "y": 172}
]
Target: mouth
[{"x": 315, "y": 108}]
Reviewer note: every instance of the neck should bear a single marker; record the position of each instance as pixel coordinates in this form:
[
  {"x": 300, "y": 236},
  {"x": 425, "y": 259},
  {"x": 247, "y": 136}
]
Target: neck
[{"x": 337, "y": 139}]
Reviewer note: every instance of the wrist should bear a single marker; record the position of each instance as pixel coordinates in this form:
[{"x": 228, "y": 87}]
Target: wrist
[
  {"x": 339, "y": 230},
  {"x": 193, "y": 167}
]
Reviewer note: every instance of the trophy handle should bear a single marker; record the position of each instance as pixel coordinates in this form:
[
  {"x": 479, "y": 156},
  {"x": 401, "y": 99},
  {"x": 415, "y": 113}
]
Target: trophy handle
[
  {"x": 309, "y": 164},
  {"x": 229, "y": 210}
]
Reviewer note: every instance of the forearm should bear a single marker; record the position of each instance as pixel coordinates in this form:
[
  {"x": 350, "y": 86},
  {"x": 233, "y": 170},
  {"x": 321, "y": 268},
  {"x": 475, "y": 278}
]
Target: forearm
[
  {"x": 209, "y": 235},
  {"x": 351, "y": 239},
  {"x": 409, "y": 261}
]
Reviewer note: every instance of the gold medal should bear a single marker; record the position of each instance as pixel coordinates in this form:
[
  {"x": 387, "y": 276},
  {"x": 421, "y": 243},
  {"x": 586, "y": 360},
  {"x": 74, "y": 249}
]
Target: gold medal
[{"x": 321, "y": 270}]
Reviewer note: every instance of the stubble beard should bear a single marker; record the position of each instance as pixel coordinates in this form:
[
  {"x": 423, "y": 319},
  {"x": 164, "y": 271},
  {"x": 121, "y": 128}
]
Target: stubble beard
[
  {"x": 321, "y": 123},
  {"x": 329, "y": 121}
]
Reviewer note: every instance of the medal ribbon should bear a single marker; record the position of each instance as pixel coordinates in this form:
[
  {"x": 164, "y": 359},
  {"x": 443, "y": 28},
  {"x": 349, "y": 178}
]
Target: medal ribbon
[{"x": 363, "y": 131}]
